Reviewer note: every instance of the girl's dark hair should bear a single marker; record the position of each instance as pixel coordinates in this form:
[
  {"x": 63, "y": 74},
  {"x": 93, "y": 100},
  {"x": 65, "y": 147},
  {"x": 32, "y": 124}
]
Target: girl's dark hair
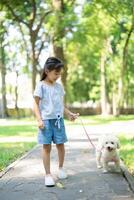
[{"x": 51, "y": 63}]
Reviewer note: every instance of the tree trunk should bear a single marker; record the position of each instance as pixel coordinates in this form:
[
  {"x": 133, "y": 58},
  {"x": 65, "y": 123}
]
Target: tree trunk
[
  {"x": 121, "y": 83},
  {"x": 33, "y": 58},
  {"x": 16, "y": 95},
  {"x": 3, "y": 74},
  {"x": 58, "y": 36},
  {"x": 4, "y": 101},
  {"x": 114, "y": 104},
  {"x": 34, "y": 70},
  {"x": 105, "y": 107},
  {"x": 103, "y": 84},
  {"x": 59, "y": 53}
]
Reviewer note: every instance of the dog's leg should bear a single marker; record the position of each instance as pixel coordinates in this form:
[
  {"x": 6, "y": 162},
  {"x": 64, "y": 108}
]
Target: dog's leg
[
  {"x": 117, "y": 165},
  {"x": 105, "y": 166},
  {"x": 98, "y": 159}
]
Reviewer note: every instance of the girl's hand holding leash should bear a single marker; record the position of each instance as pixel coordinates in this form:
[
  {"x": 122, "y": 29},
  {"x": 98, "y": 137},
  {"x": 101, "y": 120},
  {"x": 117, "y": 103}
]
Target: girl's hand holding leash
[
  {"x": 40, "y": 124},
  {"x": 73, "y": 116}
]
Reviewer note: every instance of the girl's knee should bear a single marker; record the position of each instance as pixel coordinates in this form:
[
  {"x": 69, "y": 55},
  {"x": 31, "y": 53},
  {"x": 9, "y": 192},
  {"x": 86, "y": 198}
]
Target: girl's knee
[
  {"x": 47, "y": 148},
  {"x": 60, "y": 146}
]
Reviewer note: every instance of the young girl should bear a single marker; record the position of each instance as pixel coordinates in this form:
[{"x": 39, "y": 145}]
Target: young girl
[{"x": 49, "y": 109}]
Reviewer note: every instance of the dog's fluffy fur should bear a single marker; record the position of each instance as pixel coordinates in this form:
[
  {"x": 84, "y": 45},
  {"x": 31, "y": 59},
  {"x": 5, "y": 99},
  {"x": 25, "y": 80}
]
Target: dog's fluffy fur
[{"x": 106, "y": 151}]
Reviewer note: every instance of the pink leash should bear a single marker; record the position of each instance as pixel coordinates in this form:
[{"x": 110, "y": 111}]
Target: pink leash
[{"x": 87, "y": 134}]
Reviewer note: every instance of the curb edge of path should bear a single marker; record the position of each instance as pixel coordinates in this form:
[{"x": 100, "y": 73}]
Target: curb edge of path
[
  {"x": 129, "y": 178},
  {"x": 13, "y": 164}
]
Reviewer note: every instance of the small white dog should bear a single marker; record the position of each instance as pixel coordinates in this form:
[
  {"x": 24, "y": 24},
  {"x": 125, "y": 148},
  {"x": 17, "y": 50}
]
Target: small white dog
[{"x": 106, "y": 152}]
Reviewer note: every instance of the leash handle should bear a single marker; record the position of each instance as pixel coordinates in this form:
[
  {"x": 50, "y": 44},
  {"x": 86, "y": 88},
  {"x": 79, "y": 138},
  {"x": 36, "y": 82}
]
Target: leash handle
[{"x": 87, "y": 134}]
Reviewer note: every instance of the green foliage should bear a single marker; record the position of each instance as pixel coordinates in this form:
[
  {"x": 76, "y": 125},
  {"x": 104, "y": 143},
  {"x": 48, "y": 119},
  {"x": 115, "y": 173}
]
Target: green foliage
[
  {"x": 86, "y": 45},
  {"x": 100, "y": 20},
  {"x": 84, "y": 33},
  {"x": 23, "y": 9}
]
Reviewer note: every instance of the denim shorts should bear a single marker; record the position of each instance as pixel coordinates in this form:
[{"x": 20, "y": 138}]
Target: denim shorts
[{"x": 52, "y": 132}]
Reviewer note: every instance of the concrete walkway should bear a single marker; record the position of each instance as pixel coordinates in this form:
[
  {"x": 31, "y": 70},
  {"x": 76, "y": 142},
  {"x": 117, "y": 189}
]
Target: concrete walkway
[{"x": 25, "y": 180}]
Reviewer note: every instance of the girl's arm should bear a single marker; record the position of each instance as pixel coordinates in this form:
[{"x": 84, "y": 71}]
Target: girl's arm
[
  {"x": 37, "y": 112},
  {"x": 70, "y": 115}
]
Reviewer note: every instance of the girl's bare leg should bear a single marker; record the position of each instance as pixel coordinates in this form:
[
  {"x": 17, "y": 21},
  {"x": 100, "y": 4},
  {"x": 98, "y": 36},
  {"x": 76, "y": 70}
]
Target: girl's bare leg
[
  {"x": 61, "y": 154},
  {"x": 46, "y": 157}
]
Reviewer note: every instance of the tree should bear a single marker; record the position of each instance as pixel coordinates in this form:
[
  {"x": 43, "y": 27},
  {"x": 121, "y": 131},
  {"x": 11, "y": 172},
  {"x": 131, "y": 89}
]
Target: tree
[
  {"x": 123, "y": 14},
  {"x": 64, "y": 20},
  {"x": 122, "y": 81},
  {"x": 32, "y": 15},
  {"x": 3, "y": 66},
  {"x": 58, "y": 34}
]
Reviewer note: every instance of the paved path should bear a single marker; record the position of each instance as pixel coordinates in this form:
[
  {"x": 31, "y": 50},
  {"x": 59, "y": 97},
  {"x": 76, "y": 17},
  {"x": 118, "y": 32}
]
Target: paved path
[{"x": 25, "y": 181}]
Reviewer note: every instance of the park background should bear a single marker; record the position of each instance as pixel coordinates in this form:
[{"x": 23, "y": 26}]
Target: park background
[{"x": 95, "y": 40}]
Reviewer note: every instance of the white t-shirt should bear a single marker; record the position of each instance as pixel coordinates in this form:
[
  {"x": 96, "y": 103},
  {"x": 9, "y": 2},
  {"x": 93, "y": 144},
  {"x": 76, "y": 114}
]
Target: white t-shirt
[{"x": 51, "y": 100}]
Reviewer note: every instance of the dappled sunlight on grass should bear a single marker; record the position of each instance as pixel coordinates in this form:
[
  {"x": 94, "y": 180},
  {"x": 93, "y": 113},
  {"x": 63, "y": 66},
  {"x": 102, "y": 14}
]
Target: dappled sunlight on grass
[
  {"x": 25, "y": 130},
  {"x": 9, "y": 152},
  {"x": 127, "y": 151},
  {"x": 21, "y": 121},
  {"x": 16, "y": 137}
]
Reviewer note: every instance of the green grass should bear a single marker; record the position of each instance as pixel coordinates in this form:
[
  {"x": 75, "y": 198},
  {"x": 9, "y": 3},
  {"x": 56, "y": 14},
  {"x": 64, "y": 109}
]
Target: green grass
[
  {"x": 12, "y": 149},
  {"x": 9, "y": 152},
  {"x": 127, "y": 151},
  {"x": 17, "y": 130},
  {"x": 98, "y": 119},
  {"x": 21, "y": 127}
]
